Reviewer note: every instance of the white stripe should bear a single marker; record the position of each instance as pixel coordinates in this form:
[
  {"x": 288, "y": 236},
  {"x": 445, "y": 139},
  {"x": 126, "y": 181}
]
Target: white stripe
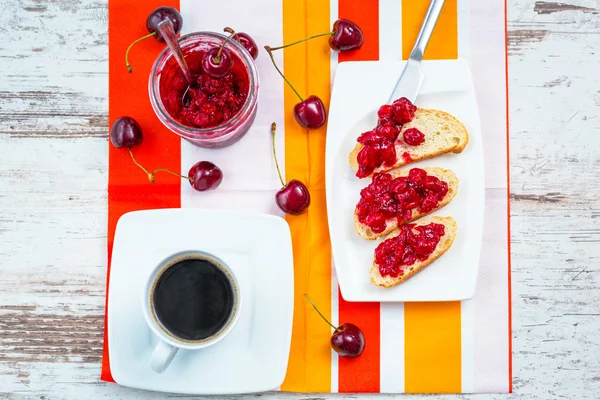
[
  {"x": 487, "y": 61},
  {"x": 185, "y": 11},
  {"x": 333, "y": 61},
  {"x": 467, "y": 346},
  {"x": 392, "y": 348},
  {"x": 390, "y": 29},
  {"x": 464, "y": 28},
  {"x": 467, "y": 307},
  {"x": 247, "y": 165},
  {"x": 335, "y": 320},
  {"x": 333, "y": 16},
  {"x": 392, "y": 314}
]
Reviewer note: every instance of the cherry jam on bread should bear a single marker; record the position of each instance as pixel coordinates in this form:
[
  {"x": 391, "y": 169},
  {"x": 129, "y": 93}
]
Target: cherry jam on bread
[
  {"x": 396, "y": 198},
  {"x": 412, "y": 244},
  {"x": 378, "y": 144}
]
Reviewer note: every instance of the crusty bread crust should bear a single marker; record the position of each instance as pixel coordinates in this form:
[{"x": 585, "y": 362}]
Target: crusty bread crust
[
  {"x": 444, "y": 244},
  {"x": 391, "y": 224},
  {"x": 443, "y": 134}
]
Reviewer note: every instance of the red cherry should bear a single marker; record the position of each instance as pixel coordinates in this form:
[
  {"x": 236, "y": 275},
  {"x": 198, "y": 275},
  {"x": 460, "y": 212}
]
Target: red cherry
[
  {"x": 205, "y": 175},
  {"x": 217, "y": 62},
  {"x": 245, "y": 40},
  {"x": 126, "y": 132},
  {"x": 159, "y": 15},
  {"x": 310, "y": 113},
  {"x": 347, "y": 339},
  {"x": 346, "y": 36},
  {"x": 293, "y": 198},
  {"x": 156, "y": 17}
]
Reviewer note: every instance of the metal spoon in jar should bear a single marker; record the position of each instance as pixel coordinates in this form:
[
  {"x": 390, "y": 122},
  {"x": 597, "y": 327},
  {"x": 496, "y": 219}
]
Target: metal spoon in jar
[{"x": 167, "y": 31}]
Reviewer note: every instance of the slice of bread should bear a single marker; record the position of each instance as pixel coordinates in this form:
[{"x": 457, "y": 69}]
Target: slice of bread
[
  {"x": 442, "y": 174},
  {"x": 443, "y": 245},
  {"x": 443, "y": 134}
]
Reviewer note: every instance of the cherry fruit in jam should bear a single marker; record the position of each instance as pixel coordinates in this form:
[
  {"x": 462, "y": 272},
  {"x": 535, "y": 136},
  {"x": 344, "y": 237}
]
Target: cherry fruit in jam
[
  {"x": 126, "y": 132},
  {"x": 346, "y": 36},
  {"x": 413, "y": 137},
  {"x": 156, "y": 17},
  {"x": 217, "y": 62},
  {"x": 310, "y": 113},
  {"x": 294, "y": 197},
  {"x": 245, "y": 40},
  {"x": 347, "y": 339},
  {"x": 205, "y": 175},
  {"x": 403, "y": 110}
]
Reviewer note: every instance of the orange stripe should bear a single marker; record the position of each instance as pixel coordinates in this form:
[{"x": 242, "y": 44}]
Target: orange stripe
[
  {"x": 510, "y": 385},
  {"x": 432, "y": 330},
  {"x": 361, "y": 374},
  {"x": 128, "y": 187},
  {"x": 444, "y": 42},
  {"x": 306, "y": 65}
]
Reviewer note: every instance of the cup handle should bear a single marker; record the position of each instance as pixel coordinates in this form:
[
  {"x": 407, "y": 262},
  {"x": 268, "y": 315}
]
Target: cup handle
[{"x": 162, "y": 356}]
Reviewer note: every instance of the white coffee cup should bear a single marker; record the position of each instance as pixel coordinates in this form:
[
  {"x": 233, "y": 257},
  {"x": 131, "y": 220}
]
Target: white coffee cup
[{"x": 168, "y": 343}]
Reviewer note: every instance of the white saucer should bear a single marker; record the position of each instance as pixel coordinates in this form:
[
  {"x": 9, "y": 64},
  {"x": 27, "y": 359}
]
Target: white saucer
[{"x": 257, "y": 247}]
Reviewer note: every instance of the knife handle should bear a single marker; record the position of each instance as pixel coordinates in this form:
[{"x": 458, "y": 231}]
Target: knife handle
[{"x": 435, "y": 8}]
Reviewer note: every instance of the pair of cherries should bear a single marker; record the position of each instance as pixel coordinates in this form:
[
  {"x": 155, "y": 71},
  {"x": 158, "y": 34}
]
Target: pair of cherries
[
  {"x": 127, "y": 132},
  {"x": 345, "y": 35},
  {"x": 217, "y": 61}
]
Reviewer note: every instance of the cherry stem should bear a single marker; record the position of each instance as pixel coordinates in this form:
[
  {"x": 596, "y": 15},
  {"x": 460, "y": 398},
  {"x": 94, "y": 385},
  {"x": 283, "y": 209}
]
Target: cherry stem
[
  {"x": 317, "y": 310},
  {"x": 129, "y": 69},
  {"x": 268, "y": 49},
  {"x": 230, "y": 31},
  {"x": 151, "y": 174},
  {"x": 218, "y": 56},
  {"x": 303, "y": 40},
  {"x": 273, "y": 129}
]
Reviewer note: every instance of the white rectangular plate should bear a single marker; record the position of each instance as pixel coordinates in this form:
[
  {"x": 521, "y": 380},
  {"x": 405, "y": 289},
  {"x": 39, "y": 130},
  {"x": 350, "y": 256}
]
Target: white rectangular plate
[
  {"x": 257, "y": 247},
  {"x": 360, "y": 88}
]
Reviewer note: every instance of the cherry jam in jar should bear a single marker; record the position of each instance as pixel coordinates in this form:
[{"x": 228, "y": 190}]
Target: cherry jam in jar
[{"x": 220, "y": 110}]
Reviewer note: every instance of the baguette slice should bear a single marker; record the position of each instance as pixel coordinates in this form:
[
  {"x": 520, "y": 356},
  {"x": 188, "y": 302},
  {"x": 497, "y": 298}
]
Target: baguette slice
[
  {"x": 443, "y": 134},
  {"x": 392, "y": 223},
  {"x": 444, "y": 244}
]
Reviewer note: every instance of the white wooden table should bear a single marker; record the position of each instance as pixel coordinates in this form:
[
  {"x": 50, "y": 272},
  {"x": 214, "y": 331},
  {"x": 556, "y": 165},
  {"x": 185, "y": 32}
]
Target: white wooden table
[{"x": 53, "y": 175}]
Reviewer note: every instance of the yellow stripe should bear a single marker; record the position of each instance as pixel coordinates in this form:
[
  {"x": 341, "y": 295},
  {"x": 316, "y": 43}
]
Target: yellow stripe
[
  {"x": 432, "y": 333},
  {"x": 444, "y": 42},
  {"x": 306, "y": 65},
  {"x": 432, "y": 350}
]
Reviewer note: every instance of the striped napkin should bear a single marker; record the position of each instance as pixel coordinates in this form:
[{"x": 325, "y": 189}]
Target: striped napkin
[{"x": 450, "y": 347}]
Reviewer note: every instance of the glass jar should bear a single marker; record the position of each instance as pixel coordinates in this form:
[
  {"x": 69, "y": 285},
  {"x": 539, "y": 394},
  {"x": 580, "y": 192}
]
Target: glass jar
[{"x": 231, "y": 130}]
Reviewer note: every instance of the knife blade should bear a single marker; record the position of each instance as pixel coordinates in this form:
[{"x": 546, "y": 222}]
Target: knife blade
[{"x": 412, "y": 76}]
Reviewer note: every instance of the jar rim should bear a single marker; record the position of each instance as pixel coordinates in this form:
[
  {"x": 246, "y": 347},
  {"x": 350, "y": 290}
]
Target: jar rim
[{"x": 186, "y": 131}]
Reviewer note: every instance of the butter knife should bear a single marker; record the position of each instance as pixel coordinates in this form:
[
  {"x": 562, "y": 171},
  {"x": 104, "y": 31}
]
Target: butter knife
[{"x": 412, "y": 77}]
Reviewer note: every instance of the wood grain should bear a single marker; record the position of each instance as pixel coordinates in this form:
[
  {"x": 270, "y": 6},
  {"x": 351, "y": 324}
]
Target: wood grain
[{"x": 53, "y": 124}]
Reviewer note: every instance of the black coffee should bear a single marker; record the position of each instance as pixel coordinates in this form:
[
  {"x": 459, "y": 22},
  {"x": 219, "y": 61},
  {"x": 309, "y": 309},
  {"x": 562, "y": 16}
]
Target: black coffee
[{"x": 193, "y": 299}]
